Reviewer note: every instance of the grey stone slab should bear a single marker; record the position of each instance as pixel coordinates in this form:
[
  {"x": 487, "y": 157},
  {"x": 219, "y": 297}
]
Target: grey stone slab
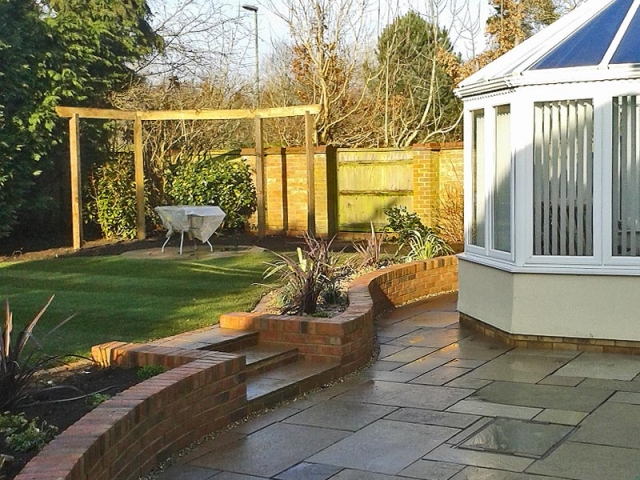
[
  {"x": 621, "y": 385},
  {"x": 542, "y": 396},
  {"x": 409, "y": 354},
  {"x": 430, "y": 337},
  {"x": 187, "y": 472},
  {"x": 394, "y": 376},
  {"x": 349, "y": 474},
  {"x": 581, "y": 461},
  {"x": 562, "y": 417},
  {"x": 472, "y": 348},
  {"x": 490, "y": 409},
  {"x": 384, "y": 446},
  {"x": 626, "y": 397},
  {"x": 517, "y": 437},
  {"x": 309, "y": 471},
  {"x": 384, "y": 366},
  {"x": 468, "y": 382},
  {"x": 398, "y": 329},
  {"x": 440, "y": 375},
  {"x": 519, "y": 368},
  {"x": 465, "y": 363},
  {"x": 475, "y": 473},
  {"x": 614, "y": 424},
  {"x": 236, "y": 476},
  {"x": 561, "y": 381},
  {"x": 435, "y": 319},
  {"x": 264, "y": 420},
  {"x": 386, "y": 350},
  {"x": 271, "y": 450},
  {"x": 602, "y": 365},
  {"x": 431, "y": 470},
  {"x": 383, "y": 340},
  {"x": 538, "y": 353},
  {"x": 432, "y": 417},
  {"x": 219, "y": 441},
  {"x": 406, "y": 395},
  {"x": 340, "y": 415},
  {"x": 448, "y": 453},
  {"x": 423, "y": 365}
]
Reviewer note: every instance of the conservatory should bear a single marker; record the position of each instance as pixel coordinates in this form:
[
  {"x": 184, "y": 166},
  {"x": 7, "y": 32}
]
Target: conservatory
[{"x": 552, "y": 182}]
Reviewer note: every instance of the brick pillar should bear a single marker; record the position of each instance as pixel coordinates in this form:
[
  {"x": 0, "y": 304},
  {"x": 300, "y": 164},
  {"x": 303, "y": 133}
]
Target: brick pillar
[{"x": 426, "y": 182}]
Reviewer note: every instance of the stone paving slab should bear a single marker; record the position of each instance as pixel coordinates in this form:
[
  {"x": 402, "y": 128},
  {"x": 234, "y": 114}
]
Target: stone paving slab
[
  {"x": 187, "y": 472},
  {"x": 614, "y": 424},
  {"x": 271, "y": 450},
  {"x": 340, "y": 415},
  {"x": 409, "y": 354},
  {"x": 440, "y": 375},
  {"x": 431, "y": 470},
  {"x": 520, "y": 368},
  {"x": 563, "y": 417},
  {"x": 582, "y": 461},
  {"x": 384, "y": 446},
  {"x": 406, "y": 395},
  {"x": 490, "y": 409},
  {"x": 432, "y": 417},
  {"x": 542, "y": 396},
  {"x": 309, "y": 471},
  {"x": 475, "y": 473},
  {"x": 602, "y": 365}
]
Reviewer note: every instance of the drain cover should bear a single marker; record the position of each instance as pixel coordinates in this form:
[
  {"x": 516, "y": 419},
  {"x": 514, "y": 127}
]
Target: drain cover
[{"x": 517, "y": 437}]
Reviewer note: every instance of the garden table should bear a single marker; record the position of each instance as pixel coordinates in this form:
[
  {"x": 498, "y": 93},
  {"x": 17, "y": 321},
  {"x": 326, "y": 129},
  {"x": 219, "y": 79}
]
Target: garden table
[{"x": 198, "y": 221}]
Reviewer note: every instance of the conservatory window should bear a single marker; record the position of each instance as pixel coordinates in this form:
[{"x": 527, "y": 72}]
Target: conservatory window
[
  {"x": 477, "y": 180},
  {"x": 563, "y": 178},
  {"x": 626, "y": 177},
  {"x": 501, "y": 205}
]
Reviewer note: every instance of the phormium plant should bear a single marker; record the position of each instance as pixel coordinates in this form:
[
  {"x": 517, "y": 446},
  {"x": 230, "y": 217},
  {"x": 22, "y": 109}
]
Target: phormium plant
[
  {"x": 304, "y": 277},
  {"x": 18, "y": 364},
  {"x": 370, "y": 250}
]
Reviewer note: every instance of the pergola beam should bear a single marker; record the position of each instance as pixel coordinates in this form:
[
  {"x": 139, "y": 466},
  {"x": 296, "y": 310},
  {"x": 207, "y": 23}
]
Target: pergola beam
[
  {"x": 138, "y": 116},
  {"x": 238, "y": 114}
]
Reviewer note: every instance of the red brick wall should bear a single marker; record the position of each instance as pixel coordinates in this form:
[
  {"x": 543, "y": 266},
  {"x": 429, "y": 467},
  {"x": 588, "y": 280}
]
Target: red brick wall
[{"x": 131, "y": 433}]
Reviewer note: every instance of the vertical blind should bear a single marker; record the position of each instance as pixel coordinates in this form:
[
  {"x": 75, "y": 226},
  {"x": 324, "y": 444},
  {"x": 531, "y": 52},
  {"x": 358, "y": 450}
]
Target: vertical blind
[
  {"x": 626, "y": 177},
  {"x": 477, "y": 180},
  {"x": 563, "y": 178},
  {"x": 502, "y": 181}
]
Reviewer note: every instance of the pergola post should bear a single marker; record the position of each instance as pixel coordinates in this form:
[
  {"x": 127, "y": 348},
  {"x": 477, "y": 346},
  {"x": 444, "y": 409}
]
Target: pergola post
[
  {"x": 311, "y": 177},
  {"x": 260, "y": 178},
  {"x": 76, "y": 198},
  {"x": 139, "y": 176}
]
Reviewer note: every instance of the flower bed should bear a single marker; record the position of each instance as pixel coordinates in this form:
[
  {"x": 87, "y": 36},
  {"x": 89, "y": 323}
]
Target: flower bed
[{"x": 131, "y": 433}]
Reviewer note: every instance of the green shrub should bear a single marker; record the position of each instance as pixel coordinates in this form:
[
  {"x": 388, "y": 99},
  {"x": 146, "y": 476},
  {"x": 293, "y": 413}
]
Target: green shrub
[
  {"x": 95, "y": 399},
  {"x": 403, "y": 223},
  {"x": 427, "y": 246},
  {"x": 149, "y": 371},
  {"x": 22, "y": 435},
  {"x": 112, "y": 202},
  {"x": 216, "y": 180}
]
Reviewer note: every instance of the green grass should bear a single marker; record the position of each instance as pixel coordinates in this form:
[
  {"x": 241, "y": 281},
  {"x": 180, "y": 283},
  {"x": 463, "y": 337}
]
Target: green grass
[{"x": 116, "y": 298}]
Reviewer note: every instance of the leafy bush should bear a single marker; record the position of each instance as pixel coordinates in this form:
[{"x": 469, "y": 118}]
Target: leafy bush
[
  {"x": 427, "y": 246},
  {"x": 149, "y": 371},
  {"x": 304, "y": 277},
  {"x": 403, "y": 223},
  {"x": 22, "y": 435},
  {"x": 113, "y": 198},
  {"x": 17, "y": 366},
  {"x": 216, "y": 180}
]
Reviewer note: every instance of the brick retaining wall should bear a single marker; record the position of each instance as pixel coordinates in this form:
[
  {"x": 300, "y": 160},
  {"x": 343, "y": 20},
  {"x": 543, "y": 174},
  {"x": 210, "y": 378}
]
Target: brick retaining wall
[{"x": 134, "y": 431}]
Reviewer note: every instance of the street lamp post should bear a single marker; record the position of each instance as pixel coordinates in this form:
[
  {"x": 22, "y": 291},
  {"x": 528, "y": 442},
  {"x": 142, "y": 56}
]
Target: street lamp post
[{"x": 254, "y": 9}]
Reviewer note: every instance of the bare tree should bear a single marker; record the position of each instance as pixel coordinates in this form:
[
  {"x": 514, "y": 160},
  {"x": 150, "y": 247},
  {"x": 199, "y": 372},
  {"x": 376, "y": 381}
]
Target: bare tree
[{"x": 328, "y": 41}]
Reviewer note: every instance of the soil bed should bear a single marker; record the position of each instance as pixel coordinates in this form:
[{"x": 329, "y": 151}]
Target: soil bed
[{"x": 55, "y": 408}]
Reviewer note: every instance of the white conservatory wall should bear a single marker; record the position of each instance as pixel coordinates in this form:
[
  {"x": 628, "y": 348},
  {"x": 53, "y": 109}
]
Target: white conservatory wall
[{"x": 576, "y": 306}]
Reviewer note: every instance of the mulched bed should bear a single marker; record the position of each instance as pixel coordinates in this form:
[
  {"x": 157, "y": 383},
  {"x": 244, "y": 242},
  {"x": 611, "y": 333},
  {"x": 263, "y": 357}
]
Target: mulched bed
[{"x": 61, "y": 413}]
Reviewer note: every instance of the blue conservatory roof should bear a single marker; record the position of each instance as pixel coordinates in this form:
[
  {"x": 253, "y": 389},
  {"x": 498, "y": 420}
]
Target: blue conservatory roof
[{"x": 600, "y": 40}]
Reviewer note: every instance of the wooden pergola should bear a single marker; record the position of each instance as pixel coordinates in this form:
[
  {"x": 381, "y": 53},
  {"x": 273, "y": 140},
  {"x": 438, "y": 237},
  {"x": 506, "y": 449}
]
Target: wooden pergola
[{"x": 258, "y": 115}]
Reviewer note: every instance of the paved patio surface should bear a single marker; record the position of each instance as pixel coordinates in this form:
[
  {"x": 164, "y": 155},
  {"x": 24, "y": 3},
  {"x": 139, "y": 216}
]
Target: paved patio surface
[{"x": 444, "y": 403}]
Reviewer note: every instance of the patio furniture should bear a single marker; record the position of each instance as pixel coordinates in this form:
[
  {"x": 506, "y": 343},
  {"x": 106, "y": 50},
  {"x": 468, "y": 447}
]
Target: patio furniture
[{"x": 198, "y": 221}]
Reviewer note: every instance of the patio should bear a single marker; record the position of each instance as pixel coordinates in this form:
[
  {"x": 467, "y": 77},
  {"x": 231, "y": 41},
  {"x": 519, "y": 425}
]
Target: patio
[{"x": 443, "y": 402}]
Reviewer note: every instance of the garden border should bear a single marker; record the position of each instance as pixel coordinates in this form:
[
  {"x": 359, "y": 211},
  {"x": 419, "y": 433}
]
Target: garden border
[{"x": 134, "y": 431}]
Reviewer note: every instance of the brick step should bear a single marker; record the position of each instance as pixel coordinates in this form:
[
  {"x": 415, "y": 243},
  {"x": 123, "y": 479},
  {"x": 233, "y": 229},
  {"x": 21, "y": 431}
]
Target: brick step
[
  {"x": 211, "y": 338},
  {"x": 287, "y": 382},
  {"x": 265, "y": 357}
]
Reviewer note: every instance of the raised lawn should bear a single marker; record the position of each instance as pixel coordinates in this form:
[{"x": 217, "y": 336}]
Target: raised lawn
[{"x": 116, "y": 298}]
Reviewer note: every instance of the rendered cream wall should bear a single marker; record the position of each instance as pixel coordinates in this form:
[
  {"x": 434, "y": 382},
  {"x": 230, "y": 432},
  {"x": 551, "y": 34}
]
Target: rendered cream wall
[{"x": 582, "y": 306}]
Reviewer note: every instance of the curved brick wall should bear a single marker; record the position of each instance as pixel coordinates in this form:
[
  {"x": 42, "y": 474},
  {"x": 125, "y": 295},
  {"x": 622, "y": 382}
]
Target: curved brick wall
[{"x": 131, "y": 433}]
